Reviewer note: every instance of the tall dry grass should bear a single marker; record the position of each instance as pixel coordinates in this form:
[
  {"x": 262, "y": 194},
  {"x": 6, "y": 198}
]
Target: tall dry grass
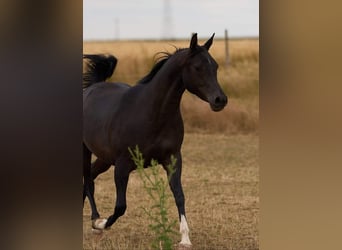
[{"x": 240, "y": 80}]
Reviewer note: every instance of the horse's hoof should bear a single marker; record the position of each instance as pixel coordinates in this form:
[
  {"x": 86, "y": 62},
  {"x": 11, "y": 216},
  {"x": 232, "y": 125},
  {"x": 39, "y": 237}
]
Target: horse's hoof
[{"x": 99, "y": 224}]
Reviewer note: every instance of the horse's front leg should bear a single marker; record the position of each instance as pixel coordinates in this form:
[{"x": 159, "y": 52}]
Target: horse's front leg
[{"x": 177, "y": 190}]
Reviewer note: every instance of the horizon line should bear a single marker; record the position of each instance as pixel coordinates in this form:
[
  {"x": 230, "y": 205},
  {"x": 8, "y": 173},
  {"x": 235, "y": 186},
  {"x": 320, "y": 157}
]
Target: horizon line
[{"x": 163, "y": 39}]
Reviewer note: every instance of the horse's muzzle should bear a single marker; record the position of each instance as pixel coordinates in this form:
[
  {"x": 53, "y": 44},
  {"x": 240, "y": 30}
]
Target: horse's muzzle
[{"x": 219, "y": 103}]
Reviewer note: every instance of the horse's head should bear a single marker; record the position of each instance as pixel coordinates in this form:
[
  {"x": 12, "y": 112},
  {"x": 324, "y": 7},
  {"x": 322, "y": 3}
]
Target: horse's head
[{"x": 200, "y": 75}]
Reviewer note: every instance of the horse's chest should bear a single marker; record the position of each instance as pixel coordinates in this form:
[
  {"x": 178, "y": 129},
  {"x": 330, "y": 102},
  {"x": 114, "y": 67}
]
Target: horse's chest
[{"x": 165, "y": 144}]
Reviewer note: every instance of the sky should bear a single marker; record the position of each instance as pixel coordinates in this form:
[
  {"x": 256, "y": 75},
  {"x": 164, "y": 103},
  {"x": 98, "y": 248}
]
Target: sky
[{"x": 158, "y": 19}]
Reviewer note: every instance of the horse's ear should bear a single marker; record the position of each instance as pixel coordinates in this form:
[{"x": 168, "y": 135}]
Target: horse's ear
[
  {"x": 209, "y": 42},
  {"x": 193, "y": 42}
]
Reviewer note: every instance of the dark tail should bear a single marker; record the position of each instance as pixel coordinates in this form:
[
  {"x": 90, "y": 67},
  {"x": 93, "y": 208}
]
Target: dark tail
[{"x": 99, "y": 68}]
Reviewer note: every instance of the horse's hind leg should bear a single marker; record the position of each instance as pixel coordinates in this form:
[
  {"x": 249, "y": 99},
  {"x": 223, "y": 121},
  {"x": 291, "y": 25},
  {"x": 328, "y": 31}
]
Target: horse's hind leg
[
  {"x": 177, "y": 190},
  {"x": 99, "y": 167},
  {"x": 121, "y": 175},
  {"x": 88, "y": 184}
]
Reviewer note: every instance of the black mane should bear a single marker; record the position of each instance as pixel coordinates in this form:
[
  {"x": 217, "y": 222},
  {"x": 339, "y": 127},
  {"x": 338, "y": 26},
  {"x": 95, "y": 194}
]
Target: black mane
[
  {"x": 153, "y": 71},
  {"x": 162, "y": 60}
]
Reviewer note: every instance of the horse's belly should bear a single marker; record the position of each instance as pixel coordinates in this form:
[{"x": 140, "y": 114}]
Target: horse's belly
[
  {"x": 100, "y": 150},
  {"x": 163, "y": 148},
  {"x": 96, "y": 138}
]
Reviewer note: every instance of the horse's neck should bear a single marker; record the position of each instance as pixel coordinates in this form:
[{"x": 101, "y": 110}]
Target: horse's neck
[{"x": 166, "y": 88}]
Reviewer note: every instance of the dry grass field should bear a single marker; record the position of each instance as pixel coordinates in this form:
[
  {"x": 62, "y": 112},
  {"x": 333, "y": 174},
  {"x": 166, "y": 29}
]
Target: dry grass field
[
  {"x": 220, "y": 156},
  {"x": 240, "y": 80}
]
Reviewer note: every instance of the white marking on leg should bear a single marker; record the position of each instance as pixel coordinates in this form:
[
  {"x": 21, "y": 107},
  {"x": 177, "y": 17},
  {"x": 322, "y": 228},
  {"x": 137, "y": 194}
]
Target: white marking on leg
[
  {"x": 99, "y": 223},
  {"x": 184, "y": 230}
]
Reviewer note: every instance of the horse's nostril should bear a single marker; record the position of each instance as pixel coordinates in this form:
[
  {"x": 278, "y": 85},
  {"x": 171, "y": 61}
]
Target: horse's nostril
[{"x": 220, "y": 100}]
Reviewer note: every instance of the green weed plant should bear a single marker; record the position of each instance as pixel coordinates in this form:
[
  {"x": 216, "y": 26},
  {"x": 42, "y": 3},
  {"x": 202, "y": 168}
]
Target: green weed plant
[{"x": 156, "y": 188}]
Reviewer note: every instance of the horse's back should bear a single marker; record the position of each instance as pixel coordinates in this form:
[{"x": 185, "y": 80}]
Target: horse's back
[
  {"x": 101, "y": 95},
  {"x": 105, "y": 88}
]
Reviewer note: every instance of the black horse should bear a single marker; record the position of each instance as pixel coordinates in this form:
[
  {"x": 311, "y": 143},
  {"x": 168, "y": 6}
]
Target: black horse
[{"x": 117, "y": 117}]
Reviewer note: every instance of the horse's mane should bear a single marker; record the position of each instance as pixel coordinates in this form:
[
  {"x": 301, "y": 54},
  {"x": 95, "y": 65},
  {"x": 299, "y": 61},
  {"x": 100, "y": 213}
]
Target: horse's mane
[{"x": 159, "y": 64}]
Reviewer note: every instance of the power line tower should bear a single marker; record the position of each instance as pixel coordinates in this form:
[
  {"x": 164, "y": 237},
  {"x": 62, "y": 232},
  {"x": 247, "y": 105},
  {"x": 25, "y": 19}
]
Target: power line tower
[
  {"x": 167, "y": 32},
  {"x": 117, "y": 29}
]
